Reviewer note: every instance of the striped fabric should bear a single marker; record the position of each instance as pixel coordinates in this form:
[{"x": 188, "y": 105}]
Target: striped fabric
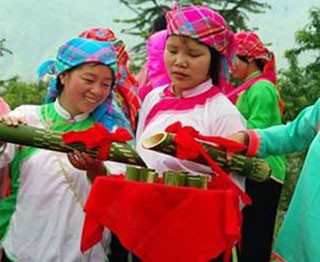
[{"x": 126, "y": 85}]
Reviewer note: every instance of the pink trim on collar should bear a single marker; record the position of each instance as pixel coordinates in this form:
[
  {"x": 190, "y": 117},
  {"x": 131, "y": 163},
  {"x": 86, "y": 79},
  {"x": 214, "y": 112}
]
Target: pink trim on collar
[
  {"x": 170, "y": 102},
  {"x": 200, "y": 88}
]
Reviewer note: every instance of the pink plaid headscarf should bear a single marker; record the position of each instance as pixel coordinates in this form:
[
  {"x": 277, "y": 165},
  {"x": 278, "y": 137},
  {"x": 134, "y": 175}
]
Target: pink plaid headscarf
[
  {"x": 250, "y": 45},
  {"x": 204, "y": 25},
  {"x": 208, "y": 27}
]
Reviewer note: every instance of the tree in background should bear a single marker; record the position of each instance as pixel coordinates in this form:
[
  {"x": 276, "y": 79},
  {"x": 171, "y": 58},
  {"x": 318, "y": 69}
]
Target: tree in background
[
  {"x": 2, "y": 48},
  {"x": 146, "y": 11},
  {"x": 19, "y": 92},
  {"x": 15, "y": 92},
  {"x": 300, "y": 87}
]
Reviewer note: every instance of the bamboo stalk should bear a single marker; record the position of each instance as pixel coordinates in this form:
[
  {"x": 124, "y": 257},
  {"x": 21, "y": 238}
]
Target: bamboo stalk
[
  {"x": 52, "y": 140},
  {"x": 143, "y": 174},
  {"x": 252, "y": 168}
]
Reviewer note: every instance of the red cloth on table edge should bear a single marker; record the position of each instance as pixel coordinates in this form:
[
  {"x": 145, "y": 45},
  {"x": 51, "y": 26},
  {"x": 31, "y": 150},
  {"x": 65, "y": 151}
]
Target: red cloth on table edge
[{"x": 163, "y": 223}]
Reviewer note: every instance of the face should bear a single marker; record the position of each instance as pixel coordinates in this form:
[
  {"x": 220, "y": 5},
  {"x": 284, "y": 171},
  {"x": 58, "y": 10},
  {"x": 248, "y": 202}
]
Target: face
[
  {"x": 85, "y": 87},
  {"x": 240, "y": 69},
  {"x": 187, "y": 62}
]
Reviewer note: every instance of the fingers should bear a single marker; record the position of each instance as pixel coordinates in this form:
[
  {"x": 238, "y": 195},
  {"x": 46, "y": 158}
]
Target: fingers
[
  {"x": 229, "y": 158},
  {"x": 82, "y": 160},
  {"x": 240, "y": 137},
  {"x": 13, "y": 120}
]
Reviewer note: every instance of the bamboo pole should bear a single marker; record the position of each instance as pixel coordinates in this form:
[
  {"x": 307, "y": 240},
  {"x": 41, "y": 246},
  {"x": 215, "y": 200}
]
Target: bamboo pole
[
  {"x": 52, "y": 140},
  {"x": 252, "y": 168}
]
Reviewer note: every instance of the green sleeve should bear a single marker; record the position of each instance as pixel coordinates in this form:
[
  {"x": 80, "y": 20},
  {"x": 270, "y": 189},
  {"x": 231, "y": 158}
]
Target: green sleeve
[
  {"x": 259, "y": 105},
  {"x": 295, "y": 136}
]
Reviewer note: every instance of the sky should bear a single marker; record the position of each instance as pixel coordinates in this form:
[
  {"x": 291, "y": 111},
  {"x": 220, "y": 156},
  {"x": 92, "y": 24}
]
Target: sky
[{"x": 34, "y": 29}]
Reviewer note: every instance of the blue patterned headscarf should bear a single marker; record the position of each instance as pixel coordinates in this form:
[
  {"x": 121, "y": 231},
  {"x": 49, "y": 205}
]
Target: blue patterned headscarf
[{"x": 78, "y": 51}]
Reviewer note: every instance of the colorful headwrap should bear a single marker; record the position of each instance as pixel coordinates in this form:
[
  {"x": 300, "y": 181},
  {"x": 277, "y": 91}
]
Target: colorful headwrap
[
  {"x": 250, "y": 45},
  {"x": 156, "y": 68},
  {"x": 126, "y": 84},
  {"x": 78, "y": 51},
  {"x": 206, "y": 26}
]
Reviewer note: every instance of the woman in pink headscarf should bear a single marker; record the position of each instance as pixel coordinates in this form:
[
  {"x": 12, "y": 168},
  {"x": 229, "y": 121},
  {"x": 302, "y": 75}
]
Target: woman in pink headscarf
[
  {"x": 198, "y": 52},
  {"x": 261, "y": 105}
]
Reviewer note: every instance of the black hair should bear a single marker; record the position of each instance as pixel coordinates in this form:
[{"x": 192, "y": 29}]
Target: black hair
[
  {"x": 214, "y": 68},
  {"x": 259, "y": 62},
  {"x": 160, "y": 23},
  {"x": 243, "y": 58}
]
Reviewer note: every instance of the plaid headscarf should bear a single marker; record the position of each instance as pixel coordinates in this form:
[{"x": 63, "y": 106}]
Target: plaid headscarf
[
  {"x": 126, "y": 84},
  {"x": 78, "y": 51},
  {"x": 250, "y": 45},
  {"x": 206, "y": 26}
]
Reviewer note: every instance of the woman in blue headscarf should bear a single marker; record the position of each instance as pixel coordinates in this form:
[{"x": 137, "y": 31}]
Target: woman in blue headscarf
[{"x": 42, "y": 218}]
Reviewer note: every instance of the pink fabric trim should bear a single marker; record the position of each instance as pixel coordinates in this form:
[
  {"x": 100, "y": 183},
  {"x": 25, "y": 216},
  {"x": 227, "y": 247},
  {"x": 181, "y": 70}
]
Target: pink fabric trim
[
  {"x": 233, "y": 94},
  {"x": 254, "y": 143},
  {"x": 170, "y": 102}
]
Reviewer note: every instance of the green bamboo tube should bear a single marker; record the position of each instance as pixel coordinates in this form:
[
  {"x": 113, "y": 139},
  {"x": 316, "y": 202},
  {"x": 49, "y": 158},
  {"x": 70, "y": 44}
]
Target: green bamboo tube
[
  {"x": 252, "y": 168},
  {"x": 175, "y": 178},
  {"x": 152, "y": 177},
  {"x": 204, "y": 181},
  {"x": 52, "y": 140},
  {"x": 143, "y": 174},
  {"x": 148, "y": 175},
  {"x": 132, "y": 173},
  {"x": 193, "y": 181}
]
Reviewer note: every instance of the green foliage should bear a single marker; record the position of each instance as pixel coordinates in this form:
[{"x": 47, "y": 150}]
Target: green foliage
[
  {"x": 18, "y": 92},
  {"x": 300, "y": 87},
  {"x": 146, "y": 11}
]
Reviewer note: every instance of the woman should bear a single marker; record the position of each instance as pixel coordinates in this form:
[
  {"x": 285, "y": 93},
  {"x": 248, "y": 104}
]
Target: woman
[
  {"x": 198, "y": 50},
  {"x": 260, "y": 104},
  {"x": 41, "y": 219},
  {"x": 298, "y": 235}
]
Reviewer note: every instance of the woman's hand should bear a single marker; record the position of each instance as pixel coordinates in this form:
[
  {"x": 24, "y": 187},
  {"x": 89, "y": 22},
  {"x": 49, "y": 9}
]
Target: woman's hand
[
  {"x": 83, "y": 161},
  {"x": 13, "y": 120},
  {"x": 240, "y": 137}
]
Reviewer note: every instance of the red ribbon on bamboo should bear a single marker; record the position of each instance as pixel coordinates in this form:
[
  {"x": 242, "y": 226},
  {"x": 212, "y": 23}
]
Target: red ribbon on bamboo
[
  {"x": 97, "y": 136},
  {"x": 189, "y": 148}
]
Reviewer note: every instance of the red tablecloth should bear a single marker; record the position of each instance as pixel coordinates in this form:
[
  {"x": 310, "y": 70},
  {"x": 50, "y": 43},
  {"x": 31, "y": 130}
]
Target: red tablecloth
[{"x": 162, "y": 223}]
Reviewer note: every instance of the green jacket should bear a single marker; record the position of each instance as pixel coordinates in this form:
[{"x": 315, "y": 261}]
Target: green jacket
[{"x": 259, "y": 106}]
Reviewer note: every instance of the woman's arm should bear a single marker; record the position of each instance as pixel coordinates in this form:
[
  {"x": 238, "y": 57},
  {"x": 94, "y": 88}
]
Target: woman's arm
[{"x": 295, "y": 136}]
